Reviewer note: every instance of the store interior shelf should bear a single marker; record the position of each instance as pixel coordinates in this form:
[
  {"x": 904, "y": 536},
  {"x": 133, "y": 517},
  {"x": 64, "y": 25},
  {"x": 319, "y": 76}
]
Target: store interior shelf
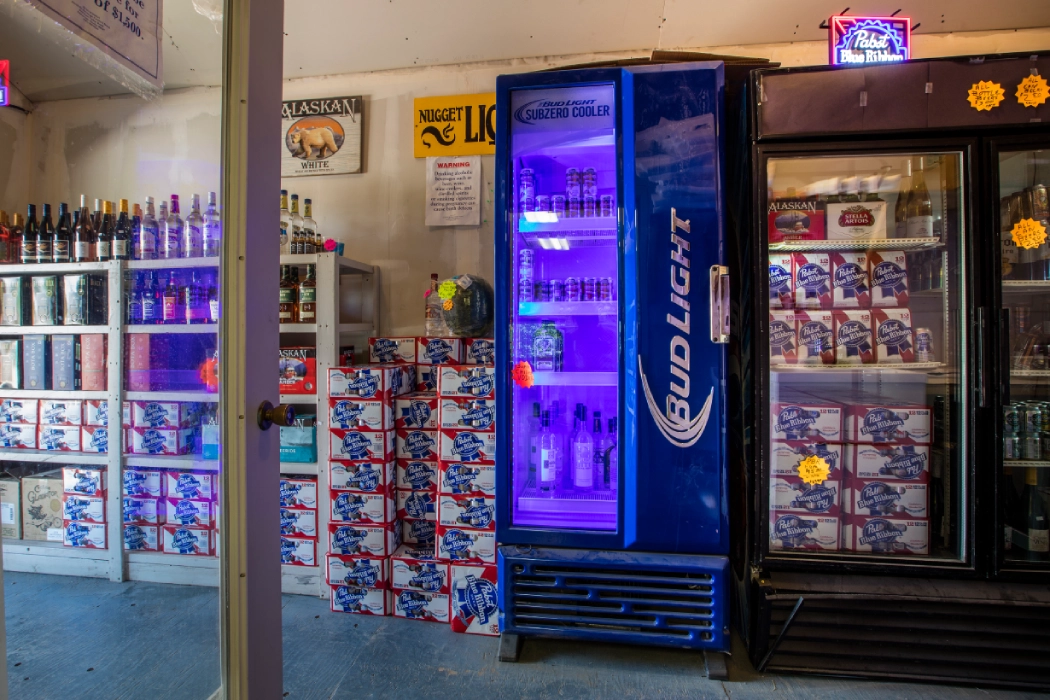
[
  {"x": 935, "y": 293},
  {"x": 355, "y": 327},
  {"x": 298, "y": 327},
  {"x": 171, "y": 329},
  {"x": 909, "y": 367},
  {"x": 200, "y": 396},
  {"x": 298, "y": 398},
  {"x": 1030, "y": 373},
  {"x": 567, "y": 308},
  {"x": 310, "y": 468},
  {"x": 58, "y": 395},
  {"x": 12, "y": 454},
  {"x": 53, "y": 330},
  {"x": 346, "y": 265},
  {"x": 575, "y": 378},
  {"x": 1035, "y": 463},
  {"x": 193, "y": 461},
  {"x": 875, "y": 244},
  {"x": 1025, "y": 286},
  {"x": 595, "y": 502},
  {"x": 602, "y": 224},
  {"x": 171, "y": 263},
  {"x": 53, "y": 268}
]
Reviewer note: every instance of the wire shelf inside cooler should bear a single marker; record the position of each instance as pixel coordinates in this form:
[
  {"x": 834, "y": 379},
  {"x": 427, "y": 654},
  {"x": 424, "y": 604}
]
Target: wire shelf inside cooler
[
  {"x": 1023, "y": 286},
  {"x": 575, "y": 378},
  {"x": 567, "y": 503},
  {"x": 871, "y": 244},
  {"x": 908, "y": 367},
  {"x": 1021, "y": 463},
  {"x": 567, "y": 308}
]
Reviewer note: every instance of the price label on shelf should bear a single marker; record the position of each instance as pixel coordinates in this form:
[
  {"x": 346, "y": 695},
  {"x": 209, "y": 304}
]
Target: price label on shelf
[
  {"x": 1032, "y": 91},
  {"x": 985, "y": 95},
  {"x": 814, "y": 470},
  {"x": 1028, "y": 233}
]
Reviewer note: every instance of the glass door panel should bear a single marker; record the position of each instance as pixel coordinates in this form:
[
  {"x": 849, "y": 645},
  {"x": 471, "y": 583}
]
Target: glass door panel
[
  {"x": 1025, "y": 273},
  {"x": 566, "y": 318},
  {"x": 867, "y": 356}
]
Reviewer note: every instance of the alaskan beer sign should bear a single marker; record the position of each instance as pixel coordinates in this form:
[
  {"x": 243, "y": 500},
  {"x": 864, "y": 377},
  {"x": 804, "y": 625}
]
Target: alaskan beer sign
[
  {"x": 5, "y": 82},
  {"x": 322, "y": 136},
  {"x": 864, "y": 41},
  {"x": 455, "y": 125}
]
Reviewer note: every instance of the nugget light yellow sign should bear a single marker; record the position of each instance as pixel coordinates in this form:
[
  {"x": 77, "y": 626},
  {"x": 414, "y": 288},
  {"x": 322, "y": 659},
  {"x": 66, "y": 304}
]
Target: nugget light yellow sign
[{"x": 455, "y": 125}]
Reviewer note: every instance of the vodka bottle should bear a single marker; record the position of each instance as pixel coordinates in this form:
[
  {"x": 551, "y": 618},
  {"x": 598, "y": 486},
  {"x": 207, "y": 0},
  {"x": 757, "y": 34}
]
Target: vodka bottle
[
  {"x": 193, "y": 302},
  {"x": 610, "y": 455},
  {"x": 135, "y": 299},
  {"x": 212, "y": 229},
  {"x": 151, "y": 301},
  {"x": 309, "y": 228},
  {"x": 550, "y": 457},
  {"x": 601, "y": 447},
  {"x": 296, "y": 230},
  {"x": 193, "y": 231},
  {"x": 582, "y": 453},
  {"x": 44, "y": 236},
  {"x": 435, "y": 317},
  {"x": 213, "y": 301},
  {"x": 147, "y": 233},
  {"x": 286, "y": 224},
  {"x": 171, "y": 232}
]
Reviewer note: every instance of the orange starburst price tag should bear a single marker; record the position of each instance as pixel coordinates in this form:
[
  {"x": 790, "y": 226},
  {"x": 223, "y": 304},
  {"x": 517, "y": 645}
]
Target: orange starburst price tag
[
  {"x": 1028, "y": 233},
  {"x": 814, "y": 470},
  {"x": 986, "y": 95},
  {"x": 1033, "y": 91},
  {"x": 447, "y": 305},
  {"x": 522, "y": 375}
]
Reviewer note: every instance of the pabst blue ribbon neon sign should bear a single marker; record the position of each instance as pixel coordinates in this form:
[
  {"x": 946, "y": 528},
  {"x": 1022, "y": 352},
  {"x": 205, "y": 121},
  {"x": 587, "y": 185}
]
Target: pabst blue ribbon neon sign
[{"x": 855, "y": 41}]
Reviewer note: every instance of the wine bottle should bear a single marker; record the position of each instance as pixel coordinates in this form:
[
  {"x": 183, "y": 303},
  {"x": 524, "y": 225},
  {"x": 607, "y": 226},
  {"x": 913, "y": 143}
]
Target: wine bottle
[
  {"x": 44, "y": 235},
  {"x": 61, "y": 242},
  {"x": 900, "y": 209},
  {"x": 920, "y": 206},
  {"x": 83, "y": 235},
  {"x": 29, "y": 236},
  {"x": 1036, "y": 519}
]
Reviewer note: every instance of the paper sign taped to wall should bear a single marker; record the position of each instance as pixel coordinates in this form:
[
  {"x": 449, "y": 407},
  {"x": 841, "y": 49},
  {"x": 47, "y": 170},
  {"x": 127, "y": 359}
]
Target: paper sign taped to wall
[{"x": 454, "y": 191}]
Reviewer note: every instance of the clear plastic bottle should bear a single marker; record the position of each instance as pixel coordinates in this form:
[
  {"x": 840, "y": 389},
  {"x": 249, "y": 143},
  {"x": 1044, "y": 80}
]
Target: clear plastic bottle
[
  {"x": 550, "y": 457},
  {"x": 435, "y": 317},
  {"x": 582, "y": 453},
  {"x": 212, "y": 228}
]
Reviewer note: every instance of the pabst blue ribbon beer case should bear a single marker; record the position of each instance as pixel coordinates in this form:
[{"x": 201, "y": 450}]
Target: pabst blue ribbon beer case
[
  {"x": 353, "y": 507},
  {"x": 887, "y": 498},
  {"x": 160, "y": 441},
  {"x": 812, "y": 275},
  {"x": 789, "y": 493},
  {"x": 87, "y": 509},
  {"x": 297, "y": 522},
  {"x": 187, "y": 540},
  {"x": 185, "y": 484},
  {"x": 142, "y": 510},
  {"x": 96, "y": 412},
  {"x": 474, "y": 478},
  {"x": 383, "y": 382},
  {"x": 363, "y": 601},
  {"x": 783, "y": 338},
  {"x": 466, "y": 544},
  {"x": 889, "y": 278},
  {"x": 165, "y": 414},
  {"x": 360, "y": 572},
  {"x": 781, "y": 281},
  {"x": 364, "y": 414},
  {"x": 61, "y": 438},
  {"x": 24, "y": 411},
  {"x": 849, "y": 280},
  {"x": 395, "y": 350},
  {"x": 885, "y": 461},
  {"x": 84, "y": 534},
  {"x": 416, "y": 411},
  {"x": 479, "y": 351},
  {"x": 417, "y": 505},
  {"x": 888, "y": 422},
  {"x": 474, "y": 512},
  {"x": 365, "y": 476},
  {"x": 419, "y": 533},
  {"x": 298, "y": 493},
  {"x": 61, "y": 412},
  {"x": 816, "y": 337},
  {"x": 83, "y": 481},
  {"x": 417, "y": 444},
  {"x": 894, "y": 337},
  {"x": 372, "y": 540},
  {"x": 475, "y": 603},
  {"x": 94, "y": 439},
  {"x": 439, "y": 351},
  {"x": 18, "y": 436},
  {"x": 467, "y": 446},
  {"x": 417, "y": 605},
  {"x": 141, "y": 538},
  {"x": 142, "y": 482},
  {"x": 299, "y": 551},
  {"x": 417, "y": 475},
  {"x": 793, "y": 219},
  {"x": 418, "y": 569},
  {"x": 879, "y": 535},
  {"x": 807, "y": 419},
  {"x": 459, "y": 413},
  {"x": 469, "y": 381},
  {"x": 854, "y": 342},
  {"x": 188, "y": 511},
  {"x": 351, "y": 445},
  {"x": 803, "y": 531}
]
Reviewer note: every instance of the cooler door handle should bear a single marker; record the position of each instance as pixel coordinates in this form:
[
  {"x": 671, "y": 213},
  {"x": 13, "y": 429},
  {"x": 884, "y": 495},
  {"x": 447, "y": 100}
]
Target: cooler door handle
[
  {"x": 1004, "y": 356},
  {"x": 982, "y": 388},
  {"x": 719, "y": 304}
]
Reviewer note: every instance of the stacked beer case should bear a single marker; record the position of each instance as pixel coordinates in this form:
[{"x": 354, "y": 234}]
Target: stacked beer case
[{"x": 298, "y": 521}]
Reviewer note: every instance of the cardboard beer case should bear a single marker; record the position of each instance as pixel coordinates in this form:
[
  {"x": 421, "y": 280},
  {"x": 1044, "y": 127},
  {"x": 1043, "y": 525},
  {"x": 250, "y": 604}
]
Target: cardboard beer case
[
  {"x": 887, "y": 498},
  {"x": 364, "y": 539},
  {"x": 297, "y": 522},
  {"x": 807, "y": 419},
  {"x": 417, "y": 505},
  {"x": 473, "y": 511},
  {"x": 466, "y": 544},
  {"x": 392, "y": 350},
  {"x": 909, "y": 463},
  {"x": 86, "y": 535},
  {"x": 416, "y": 411},
  {"x": 419, "y": 532},
  {"x": 188, "y": 511},
  {"x": 141, "y": 538},
  {"x": 298, "y": 493},
  {"x": 850, "y": 285},
  {"x": 357, "y": 571},
  {"x": 383, "y": 382},
  {"x": 467, "y": 446},
  {"x": 140, "y": 510},
  {"x": 142, "y": 482},
  {"x": 87, "y": 509},
  {"x": 298, "y": 551},
  {"x": 439, "y": 351},
  {"x": 794, "y": 219},
  {"x": 456, "y": 478},
  {"x": 475, "y": 600},
  {"x": 804, "y": 531},
  {"x": 363, "y": 601},
  {"x": 812, "y": 275},
  {"x": 781, "y": 281},
  {"x": 366, "y": 476},
  {"x": 888, "y": 278},
  {"x": 360, "y": 414},
  {"x": 897, "y": 422},
  {"x": 416, "y": 444},
  {"x": 84, "y": 481},
  {"x": 417, "y": 475},
  {"x": 783, "y": 338},
  {"x": 188, "y": 484},
  {"x": 355, "y": 445},
  {"x": 887, "y": 535},
  {"x": 187, "y": 540},
  {"x": 854, "y": 341},
  {"x": 460, "y": 413},
  {"x": 417, "y": 605},
  {"x": 469, "y": 381},
  {"x": 479, "y": 351},
  {"x": 419, "y": 569},
  {"x": 894, "y": 336},
  {"x": 353, "y": 507},
  {"x": 816, "y": 337}
]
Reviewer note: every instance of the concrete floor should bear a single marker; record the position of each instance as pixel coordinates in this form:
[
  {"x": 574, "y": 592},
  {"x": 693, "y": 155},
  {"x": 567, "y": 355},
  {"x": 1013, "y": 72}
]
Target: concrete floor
[{"x": 89, "y": 638}]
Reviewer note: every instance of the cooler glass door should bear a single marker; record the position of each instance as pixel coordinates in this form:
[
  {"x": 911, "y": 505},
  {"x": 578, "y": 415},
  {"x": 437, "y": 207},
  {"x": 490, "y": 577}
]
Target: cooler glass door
[
  {"x": 865, "y": 456},
  {"x": 562, "y": 261},
  {"x": 1024, "y": 274}
]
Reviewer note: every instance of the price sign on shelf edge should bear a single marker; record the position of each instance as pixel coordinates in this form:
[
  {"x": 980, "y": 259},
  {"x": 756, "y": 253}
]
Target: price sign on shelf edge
[
  {"x": 1032, "y": 91},
  {"x": 1028, "y": 233},
  {"x": 814, "y": 470}
]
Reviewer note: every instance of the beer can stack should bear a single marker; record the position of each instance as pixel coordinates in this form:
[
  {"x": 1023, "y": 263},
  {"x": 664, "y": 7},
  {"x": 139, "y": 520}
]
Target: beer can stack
[
  {"x": 298, "y": 521},
  {"x": 1026, "y": 426},
  {"x": 363, "y": 531}
]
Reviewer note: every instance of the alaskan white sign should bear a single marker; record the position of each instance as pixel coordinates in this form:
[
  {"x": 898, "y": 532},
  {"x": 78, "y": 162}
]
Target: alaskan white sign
[
  {"x": 454, "y": 191},
  {"x": 322, "y": 136},
  {"x": 128, "y": 31}
]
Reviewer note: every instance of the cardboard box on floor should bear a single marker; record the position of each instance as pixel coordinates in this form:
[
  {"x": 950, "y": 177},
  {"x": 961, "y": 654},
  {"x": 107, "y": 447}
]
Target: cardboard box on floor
[
  {"x": 11, "y": 509},
  {"x": 42, "y": 507}
]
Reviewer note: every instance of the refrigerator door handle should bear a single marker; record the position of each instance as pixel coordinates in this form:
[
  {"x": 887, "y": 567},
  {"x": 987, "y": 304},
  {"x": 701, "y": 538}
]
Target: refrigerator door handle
[
  {"x": 982, "y": 374},
  {"x": 719, "y": 304}
]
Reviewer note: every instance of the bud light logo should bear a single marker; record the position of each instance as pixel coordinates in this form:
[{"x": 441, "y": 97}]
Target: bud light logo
[
  {"x": 418, "y": 504},
  {"x": 77, "y": 535},
  {"x": 818, "y": 499},
  {"x": 879, "y": 534},
  {"x": 467, "y": 446},
  {"x": 543, "y": 110},
  {"x": 412, "y": 604},
  {"x": 134, "y": 538},
  {"x": 422, "y": 530},
  {"x": 85, "y": 483},
  {"x": 483, "y": 352},
  {"x": 795, "y": 421},
  {"x": 477, "y": 599},
  {"x": 779, "y": 279},
  {"x": 356, "y": 446},
  {"x": 419, "y": 475},
  {"x": 153, "y": 442},
  {"x": 428, "y": 579},
  {"x": 187, "y": 513},
  {"x": 365, "y": 479},
  {"x": 75, "y": 509},
  {"x": 384, "y": 350},
  {"x": 364, "y": 385},
  {"x": 188, "y": 486},
  {"x": 348, "y": 506},
  {"x": 881, "y": 423},
  {"x": 813, "y": 278},
  {"x": 184, "y": 541},
  {"x": 457, "y": 543},
  {"x": 100, "y": 440},
  {"x": 155, "y": 415},
  {"x": 459, "y": 477},
  {"x": 347, "y": 413},
  {"x": 417, "y": 414},
  {"x": 438, "y": 351},
  {"x": 349, "y": 597},
  {"x": 347, "y": 540},
  {"x": 477, "y": 385},
  {"x": 419, "y": 445}
]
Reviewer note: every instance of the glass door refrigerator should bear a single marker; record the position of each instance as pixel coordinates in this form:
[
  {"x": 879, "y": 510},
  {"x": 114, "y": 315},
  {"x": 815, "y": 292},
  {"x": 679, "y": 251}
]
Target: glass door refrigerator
[
  {"x": 897, "y": 517},
  {"x": 611, "y": 325}
]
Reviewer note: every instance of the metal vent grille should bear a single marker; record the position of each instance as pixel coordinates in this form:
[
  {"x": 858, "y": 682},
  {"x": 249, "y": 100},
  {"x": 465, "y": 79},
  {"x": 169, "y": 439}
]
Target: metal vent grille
[{"x": 627, "y": 601}]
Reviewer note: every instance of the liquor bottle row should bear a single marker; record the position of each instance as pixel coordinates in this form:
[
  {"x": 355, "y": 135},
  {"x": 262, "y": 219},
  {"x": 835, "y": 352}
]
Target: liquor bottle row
[
  {"x": 579, "y": 199},
  {"x": 299, "y": 234},
  {"x": 298, "y": 300},
  {"x": 1024, "y": 263},
  {"x": 111, "y": 232},
  {"x": 1027, "y": 518},
  {"x": 1029, "y": 342},
  {"x": 580, "y": 461},
  {"x": 175, "y": 297}
]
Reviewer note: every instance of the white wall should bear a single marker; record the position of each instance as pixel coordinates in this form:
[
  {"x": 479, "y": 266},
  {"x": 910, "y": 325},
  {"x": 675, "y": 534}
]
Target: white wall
[{"x": 123, "y": 147}]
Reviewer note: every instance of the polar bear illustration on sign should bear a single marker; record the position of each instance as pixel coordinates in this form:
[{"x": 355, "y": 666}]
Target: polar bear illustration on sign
[{"x": 314, "y": 138}]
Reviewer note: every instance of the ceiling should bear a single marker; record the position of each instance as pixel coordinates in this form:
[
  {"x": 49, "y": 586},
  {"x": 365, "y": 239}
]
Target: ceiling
[{"x": 385, "y": 34}]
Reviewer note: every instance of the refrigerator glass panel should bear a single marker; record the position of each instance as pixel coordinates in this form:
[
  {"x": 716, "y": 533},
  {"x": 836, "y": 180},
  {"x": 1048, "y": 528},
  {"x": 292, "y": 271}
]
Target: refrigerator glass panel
[
  {"x": 1025, "y": 272},
  {"x": 565, "y": 314},
  {"x": 867, "y": 356}
]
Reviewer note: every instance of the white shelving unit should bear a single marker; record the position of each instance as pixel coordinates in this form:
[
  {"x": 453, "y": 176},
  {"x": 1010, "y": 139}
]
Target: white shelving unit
[
  {"x": 335, "y": 281},
  {"x": 114, "y": 563}
]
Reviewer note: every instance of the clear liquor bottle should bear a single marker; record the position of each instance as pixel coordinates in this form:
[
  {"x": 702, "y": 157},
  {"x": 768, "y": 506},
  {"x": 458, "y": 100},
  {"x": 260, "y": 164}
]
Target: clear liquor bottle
[
  {"x": 601, "y": 467},
  {"x": 582, "y": 453},
  {"x": 152, "y": 303},
  {"x": 193, "y": 231},
  {"x": 213, "y": 300},
  {"x": 83, "y": 235},
  {"x": 550, "y": 457},
  {"x": 534, "y": 425},
  {"x": 135, "y": 299},
  {"x": 45, "y": 234},
  {"x": 212, "y": 228},
  {"x": 296, "y": 231},
  {"x": 121, "y": 249},
  {"x": 171, "y": 232},
  {"x": 610, "y": 456},
  {"x": 148, "y": 233},
  {"x": 309, "y": 228},
  {"x": 286, "y": 224}
]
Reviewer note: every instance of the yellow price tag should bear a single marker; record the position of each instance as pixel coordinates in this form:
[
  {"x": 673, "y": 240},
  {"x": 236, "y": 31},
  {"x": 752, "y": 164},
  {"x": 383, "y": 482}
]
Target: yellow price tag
[
  {"x": 1033, "y": 91},
  {"x": 447, "y": 305},
  {"x": 814, "y": 470},
  {"x": 985, "y": 95},
  {"x": 1028, "y": 233},
  {"x": 447, "y": 290}
]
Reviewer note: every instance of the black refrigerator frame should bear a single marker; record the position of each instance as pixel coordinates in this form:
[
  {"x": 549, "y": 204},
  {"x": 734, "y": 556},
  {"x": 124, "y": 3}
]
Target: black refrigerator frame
[{"x": 973, "y": 621}]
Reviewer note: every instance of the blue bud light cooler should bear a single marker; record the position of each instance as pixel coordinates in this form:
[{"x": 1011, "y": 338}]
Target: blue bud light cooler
[{"x": 611, "y": 325}]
